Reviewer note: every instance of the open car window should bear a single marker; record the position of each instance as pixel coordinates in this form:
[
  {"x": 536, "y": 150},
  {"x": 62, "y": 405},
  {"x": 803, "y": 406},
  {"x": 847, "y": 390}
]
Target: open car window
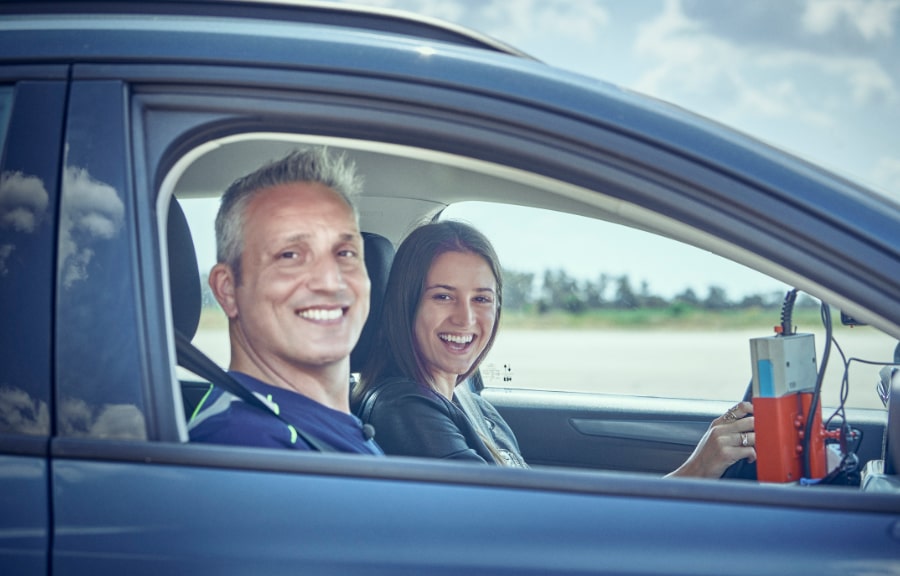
[
  {"x": 593, "y": 306},
  {"x": 589, "y": 305}
]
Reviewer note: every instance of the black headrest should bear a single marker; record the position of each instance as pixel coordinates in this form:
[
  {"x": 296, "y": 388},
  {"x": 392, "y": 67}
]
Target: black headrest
[
  {"x": 379, "y": 256},
  {"x": 184, "y": 273}
]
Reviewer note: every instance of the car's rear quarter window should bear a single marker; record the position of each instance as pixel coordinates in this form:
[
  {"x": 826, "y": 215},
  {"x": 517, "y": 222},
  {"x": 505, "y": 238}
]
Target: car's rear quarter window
[
  {"x": 30, "y": 122},
  {"x": 99, "y": 378}
]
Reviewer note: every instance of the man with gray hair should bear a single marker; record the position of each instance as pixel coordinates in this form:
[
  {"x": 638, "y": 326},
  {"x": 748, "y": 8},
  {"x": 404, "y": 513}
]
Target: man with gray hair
[{"x": 292, "y": 280}]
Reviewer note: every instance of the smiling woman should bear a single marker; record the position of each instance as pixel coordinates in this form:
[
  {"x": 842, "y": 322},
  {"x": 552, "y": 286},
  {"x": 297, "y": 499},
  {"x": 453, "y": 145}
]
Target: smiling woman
[{"x": 440, "y": 317}]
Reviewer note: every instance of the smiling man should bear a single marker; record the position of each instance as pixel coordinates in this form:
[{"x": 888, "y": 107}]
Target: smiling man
[{"x": 292, "y": 280}]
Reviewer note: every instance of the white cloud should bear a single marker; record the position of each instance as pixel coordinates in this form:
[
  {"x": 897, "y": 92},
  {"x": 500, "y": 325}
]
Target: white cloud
[
  {"x": 703, "y": 72},
  {"x": 94, "y": 212},
  {"x": 868, "y": 82},
  {"x": 123, "y": 421},
  {"x": 6, "y": 251},
  {"x": 516, "y": 23},
  {"x": 22, "y": 414},
  {"x": 683, "y": 60},
  {"x": 23, "y": 201},
  {"x": 443, "y": 9},
  {"x": 559, "y": 20},
  {"x": 691, "y": 65},
  {"x": 872, "y": 19},
  {"x": 776, "y": 100},
  {"x": 862, "y": 81}
]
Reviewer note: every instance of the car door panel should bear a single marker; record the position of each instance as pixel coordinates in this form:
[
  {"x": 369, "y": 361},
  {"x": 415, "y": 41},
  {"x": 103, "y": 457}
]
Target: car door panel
[
  {"x": 635, "y": 434},
  {"x": 603, "y": 431},
  {"x": 184, "y": 509},
  {"x": 24, "y": 536}
]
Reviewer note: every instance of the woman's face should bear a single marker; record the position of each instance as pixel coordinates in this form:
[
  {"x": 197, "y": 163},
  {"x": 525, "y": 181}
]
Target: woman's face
[{"x": 456, "y": 315}]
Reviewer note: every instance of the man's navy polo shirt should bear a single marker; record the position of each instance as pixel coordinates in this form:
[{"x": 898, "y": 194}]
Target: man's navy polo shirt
[{"x": 223, "y": 418}]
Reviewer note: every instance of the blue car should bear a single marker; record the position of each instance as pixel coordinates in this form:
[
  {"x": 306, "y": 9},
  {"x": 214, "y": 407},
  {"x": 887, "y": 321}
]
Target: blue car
[{"x": 121, "y": 124}]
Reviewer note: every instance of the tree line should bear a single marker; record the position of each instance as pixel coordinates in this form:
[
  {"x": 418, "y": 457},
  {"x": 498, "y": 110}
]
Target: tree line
[{"x": 558, "y": 291}]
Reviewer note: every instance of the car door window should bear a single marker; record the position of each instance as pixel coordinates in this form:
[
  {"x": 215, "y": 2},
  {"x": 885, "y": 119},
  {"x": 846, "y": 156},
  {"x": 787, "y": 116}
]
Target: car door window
[{"x": 592, "y": 306}]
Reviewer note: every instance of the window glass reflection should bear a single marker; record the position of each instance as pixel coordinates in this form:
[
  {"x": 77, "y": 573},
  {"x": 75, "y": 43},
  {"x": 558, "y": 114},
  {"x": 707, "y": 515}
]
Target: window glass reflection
[
  {"x": 30, "y": 118},
  {"x": 6, "y": 100},
  {"x": 100, "y": 386}
]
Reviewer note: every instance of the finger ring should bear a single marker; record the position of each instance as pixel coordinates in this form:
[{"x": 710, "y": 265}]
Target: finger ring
[
  {"x": 744, "y": 440},
  {"x": 729, "y": 415}
]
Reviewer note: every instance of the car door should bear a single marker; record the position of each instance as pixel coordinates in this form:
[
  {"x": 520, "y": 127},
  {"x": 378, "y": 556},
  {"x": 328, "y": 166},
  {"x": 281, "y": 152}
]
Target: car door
[{"x": 31, "y": 116}]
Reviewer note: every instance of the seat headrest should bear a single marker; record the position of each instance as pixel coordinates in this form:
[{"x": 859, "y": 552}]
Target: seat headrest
[
  {"x": 379, "y": 254},
  {"x": 184, "y": 273}
]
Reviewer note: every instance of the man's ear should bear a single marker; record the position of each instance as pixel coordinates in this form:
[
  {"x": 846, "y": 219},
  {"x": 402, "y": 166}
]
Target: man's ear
[{"x": 221, "y": 282}]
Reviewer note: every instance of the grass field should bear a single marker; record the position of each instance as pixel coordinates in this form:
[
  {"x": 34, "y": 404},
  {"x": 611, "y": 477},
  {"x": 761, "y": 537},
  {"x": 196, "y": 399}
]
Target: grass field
[
  {"x": 657, "y": 319},
  {"x": 641, "y": 319}
]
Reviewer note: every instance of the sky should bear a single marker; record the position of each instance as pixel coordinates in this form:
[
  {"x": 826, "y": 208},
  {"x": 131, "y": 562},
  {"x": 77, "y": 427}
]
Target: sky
[{"x": 817, "y": 78}]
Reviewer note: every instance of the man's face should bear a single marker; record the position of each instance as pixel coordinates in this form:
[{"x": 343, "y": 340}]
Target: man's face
[{"x": 304, "y": 292}]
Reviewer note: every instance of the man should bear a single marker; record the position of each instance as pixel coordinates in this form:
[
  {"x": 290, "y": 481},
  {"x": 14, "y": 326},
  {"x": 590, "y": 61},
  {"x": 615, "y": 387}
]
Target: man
[{"x": 292, "y": 280}]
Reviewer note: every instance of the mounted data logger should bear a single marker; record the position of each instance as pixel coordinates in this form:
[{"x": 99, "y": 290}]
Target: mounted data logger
[
  {"x": 784, "y": 384},
  {"x": 790, "y": 438}
]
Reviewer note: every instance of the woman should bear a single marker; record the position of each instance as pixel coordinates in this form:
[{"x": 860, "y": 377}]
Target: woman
[{"x": 439, "y": 319}]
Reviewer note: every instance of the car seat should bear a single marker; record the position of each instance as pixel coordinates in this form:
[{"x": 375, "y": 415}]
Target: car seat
[
  {"x": 379, "y": 255},
  {"x": 184, "y": 273},
  {"x": 185, "y": 292}
]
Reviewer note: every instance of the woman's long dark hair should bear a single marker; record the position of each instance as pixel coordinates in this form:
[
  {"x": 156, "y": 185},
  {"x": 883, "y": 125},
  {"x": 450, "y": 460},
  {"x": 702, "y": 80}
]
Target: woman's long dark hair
[{"x": 396, "y": 352}]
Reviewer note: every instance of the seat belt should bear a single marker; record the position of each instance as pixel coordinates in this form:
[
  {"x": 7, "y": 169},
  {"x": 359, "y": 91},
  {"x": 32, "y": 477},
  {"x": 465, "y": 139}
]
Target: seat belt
[{"x": 191, "y": 358}]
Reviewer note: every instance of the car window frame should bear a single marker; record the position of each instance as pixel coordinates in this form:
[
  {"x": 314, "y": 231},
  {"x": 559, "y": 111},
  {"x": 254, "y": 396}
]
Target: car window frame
[{"x": 195, "y": 113}]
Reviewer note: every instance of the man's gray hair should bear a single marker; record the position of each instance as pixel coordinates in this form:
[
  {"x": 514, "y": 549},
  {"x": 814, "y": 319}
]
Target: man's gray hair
[{"x": 316, "y": 165}]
